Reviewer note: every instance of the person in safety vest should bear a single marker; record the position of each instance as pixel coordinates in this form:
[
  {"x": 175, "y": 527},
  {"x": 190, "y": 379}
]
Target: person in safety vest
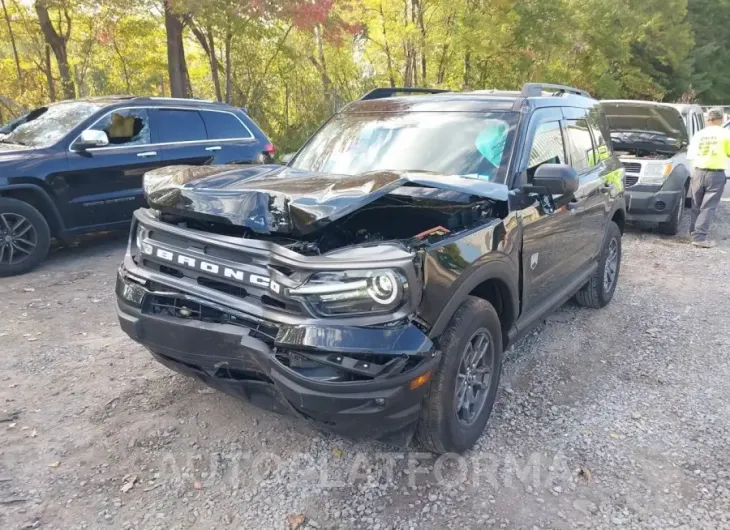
[{"x": 708, "y": 151}]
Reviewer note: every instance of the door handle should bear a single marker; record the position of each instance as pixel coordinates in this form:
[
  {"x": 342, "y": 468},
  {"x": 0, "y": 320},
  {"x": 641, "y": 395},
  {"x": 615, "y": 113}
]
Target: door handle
[
  {"x": 147, "y": 154},
  {"x": 214, "y": 148}
]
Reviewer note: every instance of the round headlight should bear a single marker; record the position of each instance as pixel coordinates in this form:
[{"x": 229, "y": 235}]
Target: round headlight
[{"x": 383, "y": 287}]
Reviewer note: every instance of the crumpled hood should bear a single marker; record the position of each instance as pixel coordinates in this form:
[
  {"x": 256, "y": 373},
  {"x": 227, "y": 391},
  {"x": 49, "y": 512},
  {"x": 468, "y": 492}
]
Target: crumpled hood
[{"x": 278, "y": 199}]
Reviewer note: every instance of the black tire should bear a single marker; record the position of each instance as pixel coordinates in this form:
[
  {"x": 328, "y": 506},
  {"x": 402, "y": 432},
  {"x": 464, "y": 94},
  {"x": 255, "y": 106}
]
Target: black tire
[
  {"x": 21, "y": 252},
  {"x": 671, "y": 227},
  {"x": 441, "y": 429},
  {"x": 595, "y": 293}
]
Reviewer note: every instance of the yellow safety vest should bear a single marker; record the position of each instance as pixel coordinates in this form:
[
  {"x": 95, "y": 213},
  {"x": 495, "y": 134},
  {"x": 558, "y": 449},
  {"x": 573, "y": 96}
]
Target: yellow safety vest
[{"x": 710, "y": 148}]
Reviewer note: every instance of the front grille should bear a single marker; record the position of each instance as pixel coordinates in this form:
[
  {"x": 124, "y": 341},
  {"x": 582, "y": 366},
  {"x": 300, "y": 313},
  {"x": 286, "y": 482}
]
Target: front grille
[
  {"x": 178, "y": 307},
  {"x": 632, "y": 167},
  {"x": 631, "y": 180}
]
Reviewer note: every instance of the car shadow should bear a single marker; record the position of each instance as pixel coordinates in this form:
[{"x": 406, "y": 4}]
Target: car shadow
[{"x": 101, "y": 244}]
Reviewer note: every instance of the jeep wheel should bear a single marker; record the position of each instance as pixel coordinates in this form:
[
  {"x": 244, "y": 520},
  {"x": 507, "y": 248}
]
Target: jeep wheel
[
  {"x": 598, "y": 291},
  {"x": 671, "y": 227},
  {"x": 464, "y": 386},
  {"x": 24, "y": 237}
]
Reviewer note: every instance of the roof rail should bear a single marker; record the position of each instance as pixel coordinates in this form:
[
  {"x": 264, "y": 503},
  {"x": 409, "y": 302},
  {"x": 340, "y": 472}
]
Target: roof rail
[
  {"x": 531, "y": 90},
  {"x": 386, "y": 92}
]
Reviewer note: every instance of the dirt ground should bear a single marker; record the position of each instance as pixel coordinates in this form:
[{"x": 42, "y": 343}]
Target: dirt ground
[{"x": 605, "y": 419}]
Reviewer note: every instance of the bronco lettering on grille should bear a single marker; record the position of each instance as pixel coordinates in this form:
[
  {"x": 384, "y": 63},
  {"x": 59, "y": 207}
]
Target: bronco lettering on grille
[{"x": 216, "y": 269}]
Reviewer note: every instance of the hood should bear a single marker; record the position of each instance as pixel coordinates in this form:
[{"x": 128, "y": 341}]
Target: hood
[
  {"x": 647, "y": 126},
  {"x": 277, "y": 199},
  {"x": 14, "y": 152}
]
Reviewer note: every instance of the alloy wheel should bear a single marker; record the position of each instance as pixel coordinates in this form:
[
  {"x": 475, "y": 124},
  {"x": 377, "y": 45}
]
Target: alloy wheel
[
  {"x": 18, "y": 238},
  {"x": 611, "y": 267},
  {"x": 474, "y": 377}
]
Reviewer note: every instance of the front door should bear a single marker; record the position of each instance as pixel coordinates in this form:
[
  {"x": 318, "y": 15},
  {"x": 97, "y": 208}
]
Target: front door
[
  {"x": 590, "y": 202},
  {"x": 103, "y": 186},
  {"x": 549, "y": 227}
]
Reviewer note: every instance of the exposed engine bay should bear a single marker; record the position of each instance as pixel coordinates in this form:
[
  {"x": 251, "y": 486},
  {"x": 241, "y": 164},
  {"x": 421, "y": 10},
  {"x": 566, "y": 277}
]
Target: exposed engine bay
[
  {"x": 415, "y": 216},
  {"x": 643, "y": 154}
]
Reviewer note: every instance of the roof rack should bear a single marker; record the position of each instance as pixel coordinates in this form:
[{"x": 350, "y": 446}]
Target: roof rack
[
  {"x": 532, "y": 90},
  {"x": 386, "y": 92}
]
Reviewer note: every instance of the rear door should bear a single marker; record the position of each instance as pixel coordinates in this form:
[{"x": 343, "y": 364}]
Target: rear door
[
  {"x": 230, "y": 141},
  {"x": 104, "y": 185},
  {"x": 182, "y": 137}
]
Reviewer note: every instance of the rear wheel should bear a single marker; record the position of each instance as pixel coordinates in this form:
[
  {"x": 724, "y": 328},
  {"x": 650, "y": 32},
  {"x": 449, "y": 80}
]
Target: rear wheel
[
  {"x": 598, "y": 292},
  {"x": 671, "y": 227},
  {"x": 24, "y": 237},
  {"x": 464, "y": 387}
]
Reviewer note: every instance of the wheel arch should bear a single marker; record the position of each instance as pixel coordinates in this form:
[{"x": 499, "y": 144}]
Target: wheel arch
[
  {"x": 38, "y": 199},
  {"x": 497, "y": 283}
]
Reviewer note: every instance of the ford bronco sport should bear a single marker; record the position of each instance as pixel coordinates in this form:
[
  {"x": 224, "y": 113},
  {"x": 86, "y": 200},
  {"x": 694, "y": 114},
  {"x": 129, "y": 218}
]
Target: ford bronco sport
[{"x": 373, "y": 283}]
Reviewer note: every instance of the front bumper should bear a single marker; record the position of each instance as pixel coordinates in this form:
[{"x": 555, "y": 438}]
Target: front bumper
[
  {"x": 651, "y": 203},
  {"x": 295, "y": 369}
]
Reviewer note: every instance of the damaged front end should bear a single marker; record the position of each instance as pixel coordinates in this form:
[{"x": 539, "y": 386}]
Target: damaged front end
[{"x": 300, "y": 293}]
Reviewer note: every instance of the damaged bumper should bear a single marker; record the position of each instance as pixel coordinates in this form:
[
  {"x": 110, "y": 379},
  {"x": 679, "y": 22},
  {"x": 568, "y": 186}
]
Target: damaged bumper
[
  {"x": 651, "y": 203},
  {"x": 361, "y": 380}
]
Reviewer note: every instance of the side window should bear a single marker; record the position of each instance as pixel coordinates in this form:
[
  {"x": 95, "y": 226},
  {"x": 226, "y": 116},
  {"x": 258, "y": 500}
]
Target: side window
[
  {"x": 547, "y": 147},
  {"x": 125, "y": 127},
  {"x": 600, "y": 134},
  {"x": 581, "y": 145},
  {"x": 180, "y": 126},
  {"x": 224, "y": 125}
]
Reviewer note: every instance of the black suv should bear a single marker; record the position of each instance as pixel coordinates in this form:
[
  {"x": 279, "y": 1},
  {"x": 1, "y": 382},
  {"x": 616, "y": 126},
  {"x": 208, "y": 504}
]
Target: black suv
[
  {"x": 76, "y": 166},
  {"x": 372, "y": 284}
]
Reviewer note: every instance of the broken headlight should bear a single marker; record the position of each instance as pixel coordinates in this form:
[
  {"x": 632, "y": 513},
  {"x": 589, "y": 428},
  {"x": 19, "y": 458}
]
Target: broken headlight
[{"x": 356, "y": 292}]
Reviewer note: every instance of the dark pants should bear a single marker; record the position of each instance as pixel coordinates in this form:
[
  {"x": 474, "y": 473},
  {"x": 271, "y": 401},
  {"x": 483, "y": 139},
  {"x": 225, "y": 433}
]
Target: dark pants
[{"x": 706, "y": 190}]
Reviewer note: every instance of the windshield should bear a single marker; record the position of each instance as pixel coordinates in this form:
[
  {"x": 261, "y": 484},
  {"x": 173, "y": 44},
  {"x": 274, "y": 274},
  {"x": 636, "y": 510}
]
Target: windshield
[
  {"x": 452, "y": 143},
  {"x": 45, "y": 126}
]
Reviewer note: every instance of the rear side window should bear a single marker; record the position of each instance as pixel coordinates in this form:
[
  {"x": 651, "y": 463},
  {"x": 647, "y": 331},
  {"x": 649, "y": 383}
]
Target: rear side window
[
  {"x": 224, "y": 126},
  {"x": 180, "y": 126},
  {"x": 547, "y": 147},
  {"x": 580, "y": 145}
]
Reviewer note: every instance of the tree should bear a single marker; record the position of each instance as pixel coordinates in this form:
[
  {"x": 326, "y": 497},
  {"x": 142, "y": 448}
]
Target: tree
[
  {"x": 57, "y": 40},
  {"x": 176, "y": 64}
]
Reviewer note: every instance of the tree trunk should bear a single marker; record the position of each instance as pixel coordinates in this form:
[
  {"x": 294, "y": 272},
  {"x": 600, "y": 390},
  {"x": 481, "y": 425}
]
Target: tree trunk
[
  {"x": 229, "y": 38},
  {"x": 49, "y": 75},
  {"x": 418, "y": 5},
  {"x": 467, "y": 70},
  {"x": 388, "y": 55},
  {"x": 206, "y": 41},
  {"x": 176, "y": 66},
  {"x": 58, "y": 44},
  {"x": 14, "y": 46}
]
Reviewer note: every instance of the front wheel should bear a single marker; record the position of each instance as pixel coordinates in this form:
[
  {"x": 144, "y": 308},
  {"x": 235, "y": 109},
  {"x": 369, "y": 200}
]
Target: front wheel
[
  {"x": 24, "y": 237},
  {"x": 464, "y": 386},
  {"x": 598, "y": 291}
]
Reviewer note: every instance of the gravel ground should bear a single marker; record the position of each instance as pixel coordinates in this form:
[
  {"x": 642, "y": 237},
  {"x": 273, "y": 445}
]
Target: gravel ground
[{"x": 605, "y": 419}]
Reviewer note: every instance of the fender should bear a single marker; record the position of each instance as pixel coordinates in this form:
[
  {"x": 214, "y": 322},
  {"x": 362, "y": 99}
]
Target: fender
[
  {"x": 495, "y": 269},
  {"x": 44, "y": 198},
  {"x": 677, "y": 178}
]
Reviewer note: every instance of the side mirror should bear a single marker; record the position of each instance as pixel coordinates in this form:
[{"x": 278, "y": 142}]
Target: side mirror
[
  {"x": 554, "y": 179},
  {"x": 287, "y": 158},
  {"x": 91, "y": 138}
]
